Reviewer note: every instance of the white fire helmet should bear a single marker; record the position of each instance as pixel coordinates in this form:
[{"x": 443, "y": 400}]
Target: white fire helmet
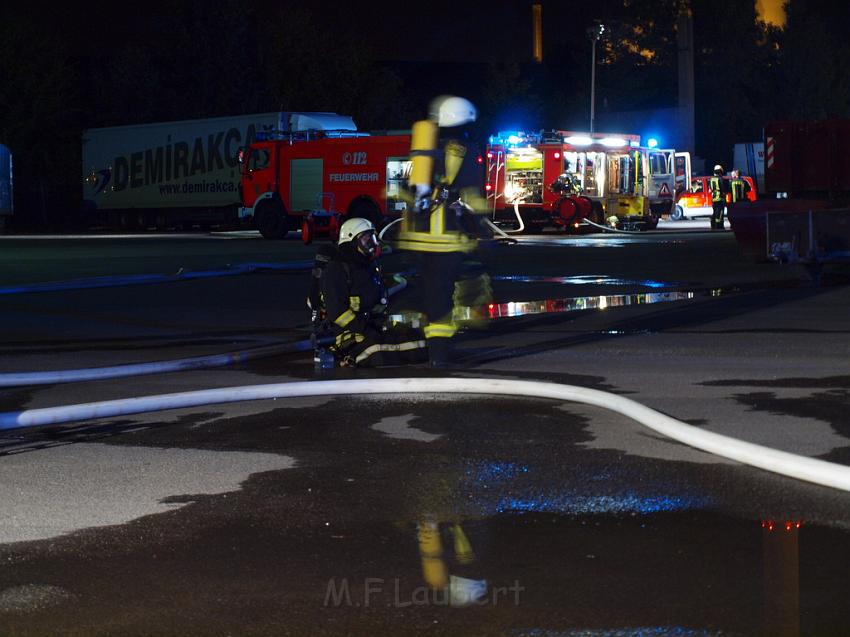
[
  {"x": 449, "y": 110},
  {"x": 718, "y": 167},
  {"x": 362, "y": 232}
]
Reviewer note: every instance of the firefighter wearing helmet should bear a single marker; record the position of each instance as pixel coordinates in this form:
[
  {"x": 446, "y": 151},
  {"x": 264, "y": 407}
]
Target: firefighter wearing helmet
[
  {"x": 442, "y": 224},
  {"x": 718, "y": 186},
  {"x": 354, "y": 304}
]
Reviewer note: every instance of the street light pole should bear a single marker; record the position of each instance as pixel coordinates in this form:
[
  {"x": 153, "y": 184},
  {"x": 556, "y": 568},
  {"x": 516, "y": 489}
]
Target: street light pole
[
  {"x": 592, "y": 84},
  {"x": 595, "y": 33}
]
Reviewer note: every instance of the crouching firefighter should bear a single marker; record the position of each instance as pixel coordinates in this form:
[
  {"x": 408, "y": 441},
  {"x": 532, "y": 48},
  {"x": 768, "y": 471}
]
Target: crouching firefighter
[
  {"x": 443, "y": 224},
  {"x": 352, "y": 304}
]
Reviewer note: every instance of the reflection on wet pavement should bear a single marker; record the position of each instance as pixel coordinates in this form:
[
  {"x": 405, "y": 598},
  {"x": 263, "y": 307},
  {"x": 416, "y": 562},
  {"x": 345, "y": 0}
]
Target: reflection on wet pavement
[
  {"x": 584, "y": 279},
  {"x": 573, "y": 304}
]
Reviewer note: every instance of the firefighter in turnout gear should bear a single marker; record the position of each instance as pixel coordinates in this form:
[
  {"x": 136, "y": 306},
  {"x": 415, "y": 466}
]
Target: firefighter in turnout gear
[
  {"x": 719, "y": 189},
  {"x": 738, "y": 187},
  {"x": 443, "y": 222},
  {"x": 353, "y": 304}
]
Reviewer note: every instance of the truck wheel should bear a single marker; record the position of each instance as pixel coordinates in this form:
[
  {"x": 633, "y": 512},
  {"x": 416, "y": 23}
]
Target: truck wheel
[
  {"x": 366, "y": 209},
  {"x": 650, "y": 221},
  {"x": 270, "y": 219},
  {"x": 597, "y": 214},
  {"x": 678, "y": 214}
]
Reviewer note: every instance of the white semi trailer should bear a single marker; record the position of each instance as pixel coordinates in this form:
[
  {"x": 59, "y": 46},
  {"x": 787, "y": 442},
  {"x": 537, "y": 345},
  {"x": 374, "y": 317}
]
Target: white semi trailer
[
  {"x": 749, "y": 159},
  {"x": 182, "y": 173}
]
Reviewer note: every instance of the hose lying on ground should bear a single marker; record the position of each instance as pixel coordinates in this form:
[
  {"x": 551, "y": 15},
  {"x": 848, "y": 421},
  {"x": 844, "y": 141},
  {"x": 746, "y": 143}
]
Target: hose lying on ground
[
  {"x": 16, "y": 379},
  {"x": 609, "y": 228},
  {"x": 773, "y": 460},
  {"x": 145, "y": 279}
]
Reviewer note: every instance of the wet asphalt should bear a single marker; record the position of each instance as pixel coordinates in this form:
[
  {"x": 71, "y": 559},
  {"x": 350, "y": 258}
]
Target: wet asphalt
[{"x": 300, "y": 517}]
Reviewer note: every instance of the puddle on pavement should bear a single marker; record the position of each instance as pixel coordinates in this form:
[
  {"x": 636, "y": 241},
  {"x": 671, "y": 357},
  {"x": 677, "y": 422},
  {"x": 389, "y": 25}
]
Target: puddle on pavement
[
  {"x": 597, "y": 242},
  {"x": 671, "y": 573},
  {"x": 584, "y": 279}
]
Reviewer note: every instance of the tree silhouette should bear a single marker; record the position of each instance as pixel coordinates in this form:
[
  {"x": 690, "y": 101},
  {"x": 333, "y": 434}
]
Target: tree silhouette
[{"x": 813, "y": 60}]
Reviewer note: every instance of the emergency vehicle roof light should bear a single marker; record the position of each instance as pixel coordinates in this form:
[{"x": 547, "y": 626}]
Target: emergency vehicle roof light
[
  {"x": 613, "y": 142},
  {"x": 579, "y": 140},
  {"x": 514, "y": 138},
  {"x": 320, "y": 121},
  {"x": 652, "y": 142}
]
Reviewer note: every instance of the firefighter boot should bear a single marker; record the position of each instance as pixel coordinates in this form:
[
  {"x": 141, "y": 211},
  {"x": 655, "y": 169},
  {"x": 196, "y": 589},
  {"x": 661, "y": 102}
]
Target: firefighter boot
[
  {"x": 462, "y": 547},
  {"x": 434, "y": 569}
]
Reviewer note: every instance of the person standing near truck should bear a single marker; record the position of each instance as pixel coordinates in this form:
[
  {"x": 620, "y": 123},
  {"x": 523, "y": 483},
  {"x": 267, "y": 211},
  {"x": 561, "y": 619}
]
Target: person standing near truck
[
  {"x": 719, "y": 188},
  {"x": 442, "y": 225},
  {"x": 738, "y": 187}
]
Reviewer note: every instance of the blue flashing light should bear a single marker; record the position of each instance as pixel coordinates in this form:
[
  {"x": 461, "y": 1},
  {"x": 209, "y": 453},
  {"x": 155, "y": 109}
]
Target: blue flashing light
[
  {"x": 652, "y": 142},
  {"x": 513, "y": 139}
]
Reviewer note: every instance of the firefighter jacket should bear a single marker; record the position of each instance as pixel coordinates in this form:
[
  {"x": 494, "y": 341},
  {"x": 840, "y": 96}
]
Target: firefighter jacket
[
  {"x": 739, "y": 189},
  {"x": 719, "y": 188},
  {"x": 354, "y": 297},
  {"x": 451, "y": 223}
]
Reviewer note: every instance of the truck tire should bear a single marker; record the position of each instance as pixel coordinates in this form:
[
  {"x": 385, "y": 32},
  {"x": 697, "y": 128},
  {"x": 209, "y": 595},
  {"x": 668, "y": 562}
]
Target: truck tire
[
  {"x": 366, "y": 209},
  {"x": 678, "y": 213},
  {"x": 270, "y": 219},
  {"x": 650, "y": 221},
  {"x": 597, "y": 212}
]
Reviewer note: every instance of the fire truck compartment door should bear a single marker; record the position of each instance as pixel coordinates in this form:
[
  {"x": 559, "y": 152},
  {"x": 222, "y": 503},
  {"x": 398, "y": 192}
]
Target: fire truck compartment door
[
  {"x": 305, "y": 183},
  {"x": 660, "y": 183},
  {"x": 682, "y": 171}
]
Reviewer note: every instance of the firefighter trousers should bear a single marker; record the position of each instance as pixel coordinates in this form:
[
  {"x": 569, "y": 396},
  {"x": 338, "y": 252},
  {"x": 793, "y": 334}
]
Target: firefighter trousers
[
  {"x": 394, "y": 346},
  {"x": 717, "y": 209}
]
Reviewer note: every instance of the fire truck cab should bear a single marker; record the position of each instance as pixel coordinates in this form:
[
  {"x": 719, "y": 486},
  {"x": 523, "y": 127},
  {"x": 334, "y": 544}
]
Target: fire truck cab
[
  {"x": 315, "y": 179},
  {"x": 566, "y": 179}
]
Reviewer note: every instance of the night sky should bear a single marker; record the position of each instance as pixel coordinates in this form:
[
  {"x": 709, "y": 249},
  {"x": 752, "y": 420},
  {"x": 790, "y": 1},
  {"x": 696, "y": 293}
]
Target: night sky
[{"x": 79, "y": 65}]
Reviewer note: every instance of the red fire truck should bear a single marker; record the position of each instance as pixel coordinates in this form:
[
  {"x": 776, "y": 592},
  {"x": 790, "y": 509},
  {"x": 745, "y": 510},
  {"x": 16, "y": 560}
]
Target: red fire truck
[
  {"x": 804, "y": 213},
  {"x": 561, "y": 178},
  {"x": 315, "y": 179}
]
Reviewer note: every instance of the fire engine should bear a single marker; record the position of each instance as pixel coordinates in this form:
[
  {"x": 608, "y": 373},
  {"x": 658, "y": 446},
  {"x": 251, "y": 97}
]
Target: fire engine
[
  {"x": 561, "y": 178},
  {"x": 315, "y": 179}
]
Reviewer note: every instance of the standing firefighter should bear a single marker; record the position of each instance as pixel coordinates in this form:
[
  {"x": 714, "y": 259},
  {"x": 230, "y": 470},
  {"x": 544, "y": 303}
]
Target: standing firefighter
[
  {"x": 352, "y": 306},
  {"x": 443, "y": 223},
  {"x": 718, "y": 197},
  {"x": 738, "y": 187}
]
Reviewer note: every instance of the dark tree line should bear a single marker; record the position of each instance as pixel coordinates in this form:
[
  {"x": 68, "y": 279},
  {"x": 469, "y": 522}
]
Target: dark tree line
[{"x": 70, "y": 67}]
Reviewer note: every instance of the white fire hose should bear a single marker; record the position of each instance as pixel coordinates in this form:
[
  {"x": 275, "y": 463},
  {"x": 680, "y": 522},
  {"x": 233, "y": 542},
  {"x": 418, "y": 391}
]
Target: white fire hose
[{"x": 800, "y": 467}]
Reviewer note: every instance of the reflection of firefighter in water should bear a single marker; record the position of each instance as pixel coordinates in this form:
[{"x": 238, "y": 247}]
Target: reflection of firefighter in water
[
  {"x": 446, "y": 553},
  {"x": 443, "y": 224}
]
